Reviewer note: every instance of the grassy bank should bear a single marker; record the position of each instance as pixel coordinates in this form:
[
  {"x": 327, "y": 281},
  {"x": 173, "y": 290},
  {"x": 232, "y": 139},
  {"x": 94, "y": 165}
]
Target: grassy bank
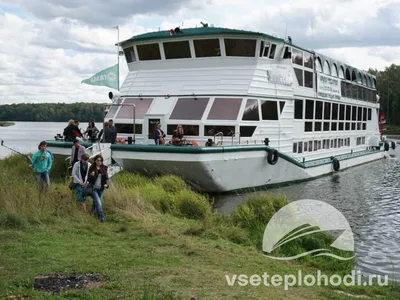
[
  {"x": 6, "y": 123},
  {"x": 160, "y": 241}
]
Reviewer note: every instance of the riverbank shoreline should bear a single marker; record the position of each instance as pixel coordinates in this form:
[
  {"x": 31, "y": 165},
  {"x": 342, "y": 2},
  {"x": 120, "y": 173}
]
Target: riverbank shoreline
[
  {"x": 159, "y": 239},
  {"x": 6, "y": 124}
]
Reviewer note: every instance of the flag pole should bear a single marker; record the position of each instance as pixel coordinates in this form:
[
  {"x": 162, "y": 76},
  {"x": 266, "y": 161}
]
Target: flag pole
[{"x": 118, "y": 57}]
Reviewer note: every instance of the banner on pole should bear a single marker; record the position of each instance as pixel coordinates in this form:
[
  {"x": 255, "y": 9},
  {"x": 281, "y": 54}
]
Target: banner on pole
[{"x": 107, "y": 77}]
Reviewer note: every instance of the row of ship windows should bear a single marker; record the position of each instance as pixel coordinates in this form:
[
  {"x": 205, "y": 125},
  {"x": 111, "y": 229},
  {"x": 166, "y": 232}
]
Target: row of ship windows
[
  {"x": 192, "y": 130},
  {"x": 325, "y": 110},
  {"x": 194, "y": 109},
  {"x": 202, "y": 48},
  {"x": 309, "y": 146},
  {"x": 334, "y": 126}
]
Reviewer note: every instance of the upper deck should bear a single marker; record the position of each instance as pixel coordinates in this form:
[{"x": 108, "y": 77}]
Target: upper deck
[{"x": 210, "y": 60}]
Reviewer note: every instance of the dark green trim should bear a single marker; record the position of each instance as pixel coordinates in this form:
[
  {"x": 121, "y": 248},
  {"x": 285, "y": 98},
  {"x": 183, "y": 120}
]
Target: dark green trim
[
  {"x": 62, "y": 144},
  {"x": 229, "y": 149},
  {"x": 208, "y": 95},
  {"x": 193, "y": 32}
]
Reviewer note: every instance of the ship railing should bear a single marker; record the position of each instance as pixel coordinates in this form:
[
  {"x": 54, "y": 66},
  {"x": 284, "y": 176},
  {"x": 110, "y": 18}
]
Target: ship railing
[
  {"x": 234, "y": 135},
  {"x": 221, "y": 134}
]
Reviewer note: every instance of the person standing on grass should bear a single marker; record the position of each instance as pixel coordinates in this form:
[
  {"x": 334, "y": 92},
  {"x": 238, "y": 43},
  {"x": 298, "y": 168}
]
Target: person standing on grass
[
  {"x": 41, "y": 162},
  {"x": 76, "y": 152},
  {"x": 80, "y": 173},
  {"x": 98, "y": 178}
]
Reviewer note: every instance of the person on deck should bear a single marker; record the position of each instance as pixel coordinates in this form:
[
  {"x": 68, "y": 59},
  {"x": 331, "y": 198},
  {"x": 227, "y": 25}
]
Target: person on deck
[
  {"x": 159, "y": 135},
  {"x": 41, "y": 162},
  {"x": 76, "y": 152},
  {"x": 92, "y": 132},
  {"x": 78, "y": 132},
  {"x": 80, "y": 173},
  {"x": 177, "y": 137},
  {"x": 110, "y": 133},
  {"x": 98, "y": 178},
  {"x": 69, "y": 131}
]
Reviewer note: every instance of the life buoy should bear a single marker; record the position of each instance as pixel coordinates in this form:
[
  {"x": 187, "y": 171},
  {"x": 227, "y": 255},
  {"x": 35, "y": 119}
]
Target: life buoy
[
  {"x": 393, "y": 145},
  {"x": 273, "y": 156},
  {"x": 386, "y": 146},
  {"x": 120, "y": 141},
  {"x": 195, "y": 144},
  {"x": 336, "y": 164}
]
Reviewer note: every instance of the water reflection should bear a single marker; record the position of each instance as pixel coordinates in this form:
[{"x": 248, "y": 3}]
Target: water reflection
[{"x": 369, "y": 197}]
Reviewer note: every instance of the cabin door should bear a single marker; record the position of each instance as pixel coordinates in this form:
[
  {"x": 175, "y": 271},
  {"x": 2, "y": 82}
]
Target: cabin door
[{"x": 151, "y": 123}]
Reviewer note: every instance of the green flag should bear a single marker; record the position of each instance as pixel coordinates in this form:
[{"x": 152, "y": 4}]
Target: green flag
[{"x": 107, "y": 77}]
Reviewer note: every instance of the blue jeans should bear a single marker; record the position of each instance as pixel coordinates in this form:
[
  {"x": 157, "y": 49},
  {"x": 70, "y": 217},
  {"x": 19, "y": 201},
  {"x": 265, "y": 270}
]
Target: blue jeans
[
  {"x": 96, "y": 206},
  {"x": 42, "y": 179}
]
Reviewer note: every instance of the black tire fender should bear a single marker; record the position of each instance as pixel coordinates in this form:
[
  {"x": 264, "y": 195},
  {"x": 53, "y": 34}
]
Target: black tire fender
[
  {"x": 273, "y": 156},
  {"x": 386, "y": 146},
  {"x": 336, "y": 164},
  {"x": 393, "y": 145}
]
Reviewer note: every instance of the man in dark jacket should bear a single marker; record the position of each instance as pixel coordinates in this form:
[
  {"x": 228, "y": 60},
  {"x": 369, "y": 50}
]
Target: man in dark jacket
[{"x": 110, "y": 133}]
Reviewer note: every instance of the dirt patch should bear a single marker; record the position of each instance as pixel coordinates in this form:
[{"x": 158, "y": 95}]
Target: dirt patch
[{"x": 61, "y": 282}]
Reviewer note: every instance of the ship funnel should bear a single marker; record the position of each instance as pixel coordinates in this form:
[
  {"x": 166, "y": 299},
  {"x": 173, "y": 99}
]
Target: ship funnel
[{"x": 114, "y": 95}]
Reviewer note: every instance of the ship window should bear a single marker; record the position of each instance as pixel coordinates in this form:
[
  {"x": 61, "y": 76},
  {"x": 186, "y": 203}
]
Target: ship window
[
  {"x": 334, "y": 111},
  {"x": 211, "y": 130},
  {"x": 251, "y": 111},
  {"x": 369, "y": 114},
  {"x": 309, "y": 109},
  {"x": 368, "y": 82},
  {"x": 318, "y": 110},
  {"x": 326, "y": 126},
  {"x": 353, "y": 126},
  {"x": 308, "y": 79},
  {"x": 364, "y": 114},
  {"x": 188, "y": 130},
  {"x": 343, "y": 88},
  {"x": 360, "y": 93},
  {"x": 348, "y": 112},
  {"x": 225, "y": 109},
  {"x": 269, "y": 110},
  {"x": 128, "y": 128},
  {"x": 298, "y": 109},
  {"x": 315, "y": 145},
  {"x": 189, "y": 109},
  {"x": 300, "y": 147},
  {"x": 373, "y": 83},
  {"x": 347, "y": 126},
  {"x": 341, "y": 72},
  {"x": 307, "y": 126},
  {"x": 299, "y": 76},
  {"x": 359, "y": 78},
  {"x": 305, "y": 146},
  {"x": 240, "y": 47},
  {"x": 334, "y": 70},
  {"x": 308, "y": 60},
  {"x": 341, "y": 126},
  {"x": 297, "y": 57},
  {"x": 318, "y": 65},
  {"x": 264, "y": 49},
  {"x": 207, "y": 48},
  {"x": 327, "y": 69},
  {"x": 341, "y": 112},
  {"x": 317, "y": 126},
  {"x": 129, "y": 55},
  {"x": 353, "y": 76},
  {"x": 354, "y": 91},
  {"x": 148, "y": 51},
  {"x": 348, "y": 77},
  {"x": 364, "y": 126},
  {"x": 364, "y": 80},
  {"x": 272, "y": 52},
  {"x": 294, "y": 147},
  {"x": 327, "y": 111},
  {"x": 174, "y": 50},
  {"x": 334, "y": 126},
  {"x": 359, "y": 114},
  {"x": 126, "y": 112},
  {"x": 247, "y": 131},
  {"x": 288, "y": 53}
]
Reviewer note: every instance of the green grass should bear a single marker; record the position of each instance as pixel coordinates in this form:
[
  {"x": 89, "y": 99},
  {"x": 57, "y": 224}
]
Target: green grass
[{"x": 160, "y": 241}]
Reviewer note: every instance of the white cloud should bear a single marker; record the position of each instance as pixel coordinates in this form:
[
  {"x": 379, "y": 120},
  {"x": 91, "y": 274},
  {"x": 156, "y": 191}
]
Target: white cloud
[{"x": 46, "y": 49}]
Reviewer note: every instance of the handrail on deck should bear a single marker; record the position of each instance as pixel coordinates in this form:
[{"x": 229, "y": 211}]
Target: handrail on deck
[
  {"x": 221, "y": 134},
  {"x": 233, "y": 135}
]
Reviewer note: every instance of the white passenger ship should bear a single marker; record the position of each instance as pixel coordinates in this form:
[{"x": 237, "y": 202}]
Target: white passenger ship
[{"x": 277, "y": 112}]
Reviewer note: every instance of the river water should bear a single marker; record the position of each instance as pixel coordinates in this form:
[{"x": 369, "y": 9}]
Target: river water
[{"x": 368, "y": 196}]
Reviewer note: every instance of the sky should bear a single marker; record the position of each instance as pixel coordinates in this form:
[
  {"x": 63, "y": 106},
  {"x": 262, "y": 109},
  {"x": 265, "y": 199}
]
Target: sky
[{"x": 48, "y": 47}]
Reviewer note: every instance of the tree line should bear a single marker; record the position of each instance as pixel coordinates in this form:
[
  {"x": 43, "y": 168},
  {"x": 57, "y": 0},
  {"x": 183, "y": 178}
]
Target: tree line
[
  {"x": 388, "y": 89},
  {"x": 52, "y": 112}
]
